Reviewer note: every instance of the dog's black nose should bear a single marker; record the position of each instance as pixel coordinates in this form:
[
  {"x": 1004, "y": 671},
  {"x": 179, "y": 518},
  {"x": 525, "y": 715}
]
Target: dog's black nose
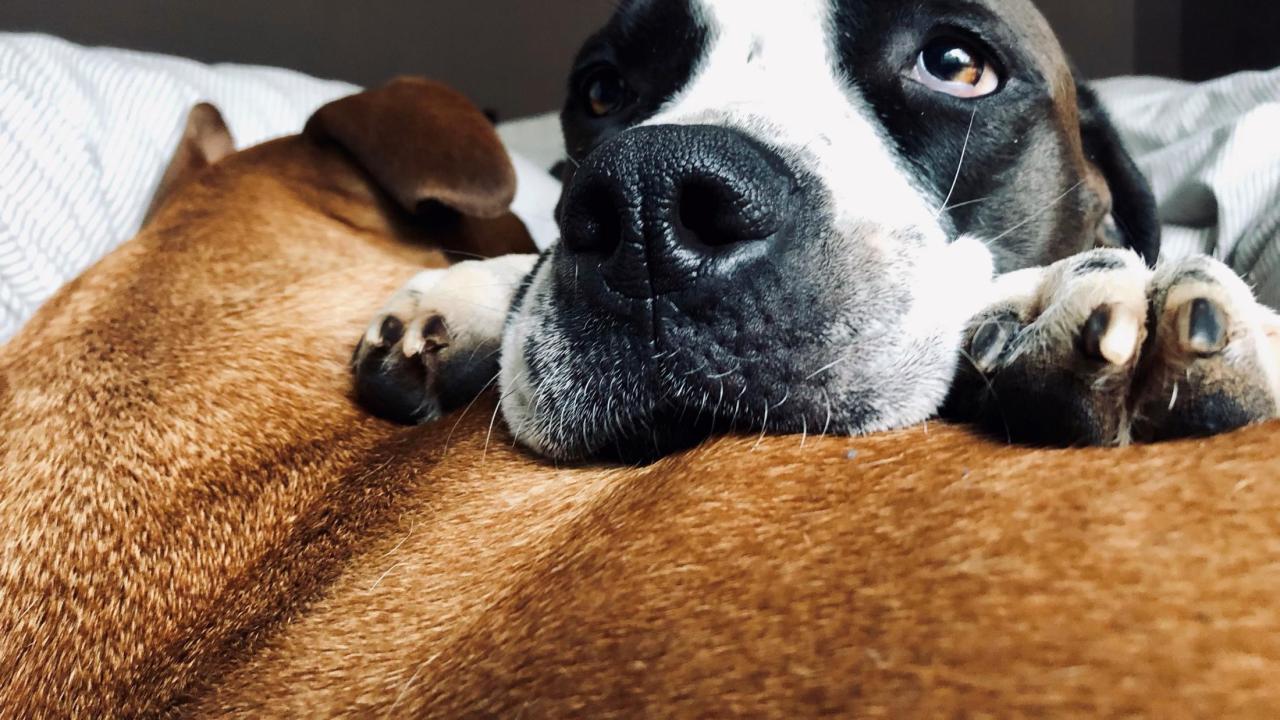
[{"x": 661, "y": 206}]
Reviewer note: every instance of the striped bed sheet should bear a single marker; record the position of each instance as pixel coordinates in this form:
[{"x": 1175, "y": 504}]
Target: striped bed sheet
[{"x": 1212, "y": 153}]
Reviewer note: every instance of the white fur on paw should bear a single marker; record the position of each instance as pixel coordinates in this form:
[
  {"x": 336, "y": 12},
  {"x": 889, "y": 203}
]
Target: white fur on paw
[{"x": 1100, "y": 349}]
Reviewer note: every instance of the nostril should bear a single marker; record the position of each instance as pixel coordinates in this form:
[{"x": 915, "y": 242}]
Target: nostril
[
  {"x": 593, "y": 221},
  {"x": 701, "y": 214},
  {"x": 714, "y": 215}
]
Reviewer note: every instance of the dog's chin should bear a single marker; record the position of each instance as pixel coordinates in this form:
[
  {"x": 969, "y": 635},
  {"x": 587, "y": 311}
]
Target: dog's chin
[
  {"x": 628, "y": 422},
  {"x": 640, "y": 413},
  {"x": 576, "y": 386},
  {"x": 848, "y": 351}
]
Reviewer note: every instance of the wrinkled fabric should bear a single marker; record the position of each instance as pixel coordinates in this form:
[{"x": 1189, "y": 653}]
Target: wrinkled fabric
[
  {"x": 1212, "y": 153},
  {"x": 85, "y": 135}
]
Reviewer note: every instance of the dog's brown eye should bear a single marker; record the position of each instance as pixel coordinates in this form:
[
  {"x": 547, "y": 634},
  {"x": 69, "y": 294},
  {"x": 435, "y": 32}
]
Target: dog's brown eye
[
  {"x": 955, "y": 67},
  {"x": 606, "y": 92}
]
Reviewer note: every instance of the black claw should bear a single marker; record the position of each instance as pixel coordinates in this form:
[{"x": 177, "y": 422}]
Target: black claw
[
  {"x": 392, "y": 330},
  {"x": 1206, "y": 327},
  {"x": 435, "y": 335},
  {"x": 1095, "y": 329},
  {"x": 991, "y": 340},
  {"x": 396, "y": 388}
]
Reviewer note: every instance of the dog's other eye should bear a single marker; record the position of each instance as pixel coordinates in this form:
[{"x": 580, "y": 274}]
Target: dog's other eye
[
  {"x": 955, "y": 67},
  {"x": 605, "y": 92}
]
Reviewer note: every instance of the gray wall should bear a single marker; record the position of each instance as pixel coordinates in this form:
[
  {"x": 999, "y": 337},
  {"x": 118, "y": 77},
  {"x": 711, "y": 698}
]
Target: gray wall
[
  {"x": 510, "y": 55},
  {"x": 1100, "y": 39}
]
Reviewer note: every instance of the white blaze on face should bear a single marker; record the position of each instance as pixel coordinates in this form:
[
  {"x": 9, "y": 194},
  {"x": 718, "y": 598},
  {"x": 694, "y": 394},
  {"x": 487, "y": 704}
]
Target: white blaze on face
[{"x": 771, "y": 71}]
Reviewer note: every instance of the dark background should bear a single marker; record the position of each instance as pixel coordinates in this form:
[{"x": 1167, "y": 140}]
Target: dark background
[{"x": 512, "y": 55}]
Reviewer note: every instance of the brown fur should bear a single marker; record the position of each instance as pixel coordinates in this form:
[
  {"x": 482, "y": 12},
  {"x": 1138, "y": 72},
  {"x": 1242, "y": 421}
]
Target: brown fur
[{"x": 197, "y": 520}]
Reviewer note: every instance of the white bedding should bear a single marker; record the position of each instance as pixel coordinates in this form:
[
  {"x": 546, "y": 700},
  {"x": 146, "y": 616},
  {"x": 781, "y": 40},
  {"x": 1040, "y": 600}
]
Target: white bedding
[
  {"x": 1212, "y": 153},
  {"x": 86, "y": 133}
]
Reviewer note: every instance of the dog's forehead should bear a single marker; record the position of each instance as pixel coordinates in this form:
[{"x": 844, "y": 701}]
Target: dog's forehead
[{"x": 1022, "y": 20}]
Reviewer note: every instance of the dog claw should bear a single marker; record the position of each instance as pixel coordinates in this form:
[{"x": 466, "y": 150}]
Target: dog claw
[
  {"x": 390, "y": 331},
  {"x": 396, "y": 367},
  {"x": 426, "y": 334},
  {"x": 1111, "y": 335},
  {"x": 1202, "y": 327},
  {"x": 991, "y": 340}
]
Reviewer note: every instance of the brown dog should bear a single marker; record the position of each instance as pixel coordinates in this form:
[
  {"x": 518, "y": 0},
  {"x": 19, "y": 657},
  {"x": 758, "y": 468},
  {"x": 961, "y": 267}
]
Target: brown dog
[{"x": 196, "y": 519}]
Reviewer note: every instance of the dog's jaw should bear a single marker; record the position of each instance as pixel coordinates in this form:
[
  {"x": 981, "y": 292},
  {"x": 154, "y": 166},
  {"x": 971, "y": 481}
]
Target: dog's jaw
[{"x": 557, "y": 403}]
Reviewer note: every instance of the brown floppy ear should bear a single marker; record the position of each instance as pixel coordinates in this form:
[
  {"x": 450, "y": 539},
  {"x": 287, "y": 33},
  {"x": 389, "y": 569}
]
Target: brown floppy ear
[
  {"x": 1133, "y": 207},
  {"x": 205, "y": 141},
  {"x": 423, "y": 142}
]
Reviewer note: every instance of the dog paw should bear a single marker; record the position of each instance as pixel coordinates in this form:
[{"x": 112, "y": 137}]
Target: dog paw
[
  {"x": 1099, "y": 350},
  {"x": 434, "y": 345},
  {"x": 397, "y": 363},
  {"x": 1213, "y": 363}
]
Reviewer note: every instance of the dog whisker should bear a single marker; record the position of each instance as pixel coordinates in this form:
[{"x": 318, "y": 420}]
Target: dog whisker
[
  {"x": 1052, "y": 204},
  {"x": 959, "y": 166},
  {"x": 991, "y": 389},
  {"x": 383, "y": 576},
  {"x": 967, "y": 203},
  {"x": 784, "y": 400},
  {"x": 764, "y": 428},
  {"x": 827, "y": 426},
  {"x": 695, "y": 372},
  {"x": 465, "y": 254},
  {"x": 404, "y": 690},
  {"x": 449, "y": 438},
  {"x": 484, "y": 456},
  {"x": 737, "y": 407},
  {"x": 825, "y": 368},
  {"x": 400, "y": 544}
]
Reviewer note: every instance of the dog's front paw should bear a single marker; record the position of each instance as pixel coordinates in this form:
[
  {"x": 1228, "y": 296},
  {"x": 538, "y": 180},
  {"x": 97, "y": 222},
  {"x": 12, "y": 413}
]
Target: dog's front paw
[
  {"x": 397, "y": 363},
  {"x": 1213, "y": 363},
  {"x": 434, "y": 346},
  {"x": 1099, "y": 350}
]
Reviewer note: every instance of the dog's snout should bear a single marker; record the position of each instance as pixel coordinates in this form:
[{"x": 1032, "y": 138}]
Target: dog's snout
[{"x": 660, "y": 206}]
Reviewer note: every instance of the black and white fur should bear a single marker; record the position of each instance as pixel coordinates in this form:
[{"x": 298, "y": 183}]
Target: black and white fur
[{"x": 869, "y": 215}]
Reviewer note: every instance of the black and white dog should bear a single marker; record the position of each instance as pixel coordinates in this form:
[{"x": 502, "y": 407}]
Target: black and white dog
[{"x": 787, "y": 216}]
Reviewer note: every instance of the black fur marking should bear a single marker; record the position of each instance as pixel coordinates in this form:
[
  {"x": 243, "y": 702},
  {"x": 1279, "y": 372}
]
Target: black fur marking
[
  {"x": 1133, "y": 204},
  {"x": 878, "y": 41},
  {"x": 1099, "y": 263},
  {"x": 656, "y": 45}
]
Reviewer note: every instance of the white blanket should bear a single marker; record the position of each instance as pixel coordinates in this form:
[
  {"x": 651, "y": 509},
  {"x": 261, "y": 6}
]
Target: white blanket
[{"x": 1212, "y": 153}]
